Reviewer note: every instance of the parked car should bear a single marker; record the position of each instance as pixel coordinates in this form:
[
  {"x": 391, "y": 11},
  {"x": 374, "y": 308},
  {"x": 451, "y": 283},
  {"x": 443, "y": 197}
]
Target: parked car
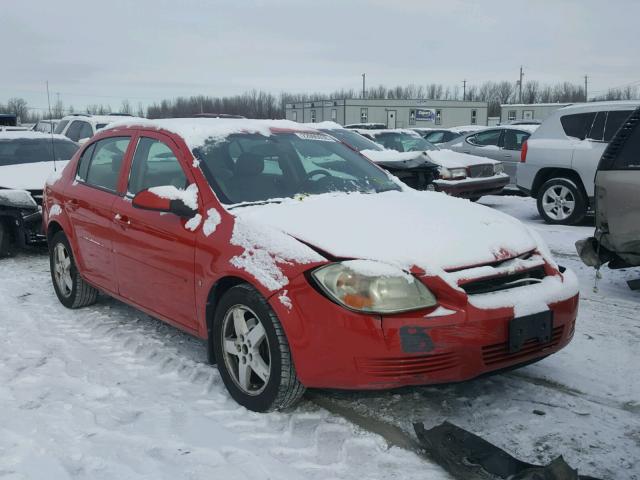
[
  {"x": 462, "y": 175},
  {"x": 437, "y": 136},
  {"x": 366, "y": 126},
  {"x": 79, "y": 127},
  {"x": 559, "y": 162},
  {"x": 46, "y": 125},
  {"x": 500, "y": 143},
  {"x": 26, "y": 160},
  {"x": 617, "y": 203},
  {"x": 8, "y": 120},
  {"x": 525, "y": 122},
  {"x": 414, "y": 169},
  {"x": 301, "y": 262}
]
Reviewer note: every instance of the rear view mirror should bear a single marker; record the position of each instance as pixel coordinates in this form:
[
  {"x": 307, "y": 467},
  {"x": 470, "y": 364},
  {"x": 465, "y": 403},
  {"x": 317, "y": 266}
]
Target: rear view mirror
[{"x": 149, "y": 200}]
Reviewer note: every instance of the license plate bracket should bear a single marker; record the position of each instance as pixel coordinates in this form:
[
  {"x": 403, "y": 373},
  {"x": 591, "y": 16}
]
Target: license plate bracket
[{"x": 538, "y": 326}]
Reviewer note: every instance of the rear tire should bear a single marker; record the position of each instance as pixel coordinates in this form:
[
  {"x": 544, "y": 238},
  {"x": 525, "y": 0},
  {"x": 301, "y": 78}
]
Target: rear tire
[
  {"x": 252, "y": 352},
  {"x": 561, "y": 202},
  {"x": 70, "y": 287}
]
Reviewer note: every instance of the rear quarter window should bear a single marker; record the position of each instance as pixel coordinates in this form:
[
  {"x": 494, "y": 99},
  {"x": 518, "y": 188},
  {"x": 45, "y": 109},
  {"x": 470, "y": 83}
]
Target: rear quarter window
[{"x": 577, "y": 125}]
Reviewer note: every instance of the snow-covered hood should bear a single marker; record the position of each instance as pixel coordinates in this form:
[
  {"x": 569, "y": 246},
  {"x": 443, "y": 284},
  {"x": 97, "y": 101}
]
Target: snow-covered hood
[
  {"x": 28, "y": 176},
  {"x": 452, "y": 159},
  {"x": 428, "y": 230}
]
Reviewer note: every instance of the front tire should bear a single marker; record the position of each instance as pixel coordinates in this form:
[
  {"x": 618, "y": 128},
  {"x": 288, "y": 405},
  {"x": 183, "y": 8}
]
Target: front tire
[
  {"x": 561, "y": 202},
  {"x": 252, "y": 352},
  {"x": 70, "y": 287}
]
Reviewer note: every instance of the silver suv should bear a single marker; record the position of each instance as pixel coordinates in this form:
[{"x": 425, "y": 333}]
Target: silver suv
[{"x": 558, "y": 162}]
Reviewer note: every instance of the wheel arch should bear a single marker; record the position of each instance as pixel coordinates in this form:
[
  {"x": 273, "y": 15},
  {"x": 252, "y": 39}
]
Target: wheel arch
[{"x": 545, "y": 174}]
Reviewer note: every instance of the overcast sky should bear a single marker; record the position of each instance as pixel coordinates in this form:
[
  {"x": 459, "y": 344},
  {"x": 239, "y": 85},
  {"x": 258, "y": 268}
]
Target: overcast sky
[{"x": 145, "y": 50}]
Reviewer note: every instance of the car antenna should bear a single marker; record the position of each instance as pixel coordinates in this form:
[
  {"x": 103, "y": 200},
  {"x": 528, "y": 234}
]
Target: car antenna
[{"x": 53, "y": 148}]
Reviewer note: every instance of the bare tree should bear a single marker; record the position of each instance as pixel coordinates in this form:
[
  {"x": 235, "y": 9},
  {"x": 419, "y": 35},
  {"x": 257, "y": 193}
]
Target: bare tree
[
  {"x": 18, "y": 106},
  {"x": 126, "y": 107}
]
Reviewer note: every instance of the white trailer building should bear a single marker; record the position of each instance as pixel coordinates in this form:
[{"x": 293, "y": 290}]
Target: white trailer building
[
  {"x": 392, "y": 113},
  {"x": 527, "y": 111}
]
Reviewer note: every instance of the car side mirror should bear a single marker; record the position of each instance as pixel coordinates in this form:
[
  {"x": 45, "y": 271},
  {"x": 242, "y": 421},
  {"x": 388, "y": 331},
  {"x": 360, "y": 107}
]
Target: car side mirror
[{"x": 149, "y": 200}]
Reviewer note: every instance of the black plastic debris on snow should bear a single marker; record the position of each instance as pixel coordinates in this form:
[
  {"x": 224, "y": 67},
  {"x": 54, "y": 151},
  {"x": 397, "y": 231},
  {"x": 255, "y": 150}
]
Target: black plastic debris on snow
[{"x": 468, "y": 457}]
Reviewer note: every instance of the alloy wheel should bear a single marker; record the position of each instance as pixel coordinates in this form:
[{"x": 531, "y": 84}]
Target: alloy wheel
[
  {"x": 558, "y": 202},
  {"x": 246, "y": 350},
  {"x": 62, "y": 269}
]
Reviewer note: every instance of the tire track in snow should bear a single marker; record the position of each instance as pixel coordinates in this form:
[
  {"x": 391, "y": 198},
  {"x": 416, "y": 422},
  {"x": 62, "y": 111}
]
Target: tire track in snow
[{"x": 312, "y": 441}]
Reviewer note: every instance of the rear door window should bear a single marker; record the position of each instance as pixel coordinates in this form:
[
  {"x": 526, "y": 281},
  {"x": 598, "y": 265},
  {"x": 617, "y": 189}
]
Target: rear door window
[
  {"x": 74, "y": 131},
  {"x": 615, "y": 119},
  {"x": 85, "y": 130},
  {"x": 106, "y": 162},
  {"x": 485, "y": 139},
  {"x": 578, "y": 124},
  {"x": 513, "y": 139}
]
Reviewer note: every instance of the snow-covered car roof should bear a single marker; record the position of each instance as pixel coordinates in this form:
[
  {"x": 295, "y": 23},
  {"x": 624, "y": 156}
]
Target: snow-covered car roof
[
  {"x": 327, "y": 125},
  {"x": 196, "y": 131},
  {"x": 527, "y": 128},
  {"x": 29, "y": 134},
  {"x": 380, "y": 131},
  {"x": 468, "y": 128},
  {"x": 595, "y": 106},
  {"x": 95, "y": 119}
]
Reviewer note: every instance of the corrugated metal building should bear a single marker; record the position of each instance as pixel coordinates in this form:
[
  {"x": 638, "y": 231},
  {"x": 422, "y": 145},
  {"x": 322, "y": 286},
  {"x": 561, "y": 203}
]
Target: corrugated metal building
[
  {"x": 392, "y": 113},
  {"x": 528, "y": 111}
]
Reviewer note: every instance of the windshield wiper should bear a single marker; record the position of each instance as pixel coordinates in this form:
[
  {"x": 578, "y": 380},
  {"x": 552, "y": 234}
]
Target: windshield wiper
[{"x": 250, "y": 204}]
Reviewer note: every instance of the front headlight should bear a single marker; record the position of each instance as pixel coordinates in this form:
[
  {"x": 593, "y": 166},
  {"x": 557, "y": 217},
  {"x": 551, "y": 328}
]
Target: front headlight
[
  {"x": 372, "y": 287},
  {"x": 453, "y": 173},
  {"x": 498, "y": 168}
]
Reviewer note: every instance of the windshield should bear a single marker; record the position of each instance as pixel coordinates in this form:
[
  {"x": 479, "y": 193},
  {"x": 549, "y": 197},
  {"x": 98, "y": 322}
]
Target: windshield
[
  {"x": 255, "y": 168},
  {"x": 354, "y": 140},
  {"x": 404, "y": 142},
  {"x": 18, "y": 151}
]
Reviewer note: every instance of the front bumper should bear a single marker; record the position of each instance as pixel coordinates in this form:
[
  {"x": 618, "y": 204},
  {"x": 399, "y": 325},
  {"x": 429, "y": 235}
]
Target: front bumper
[
  {"x": 336, "y": 348},
  {"x": 473, "y": 187}
]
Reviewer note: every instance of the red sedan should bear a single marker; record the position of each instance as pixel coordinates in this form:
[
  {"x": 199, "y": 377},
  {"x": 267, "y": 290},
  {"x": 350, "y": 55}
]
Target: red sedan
[{"x": 301, "y": 263}]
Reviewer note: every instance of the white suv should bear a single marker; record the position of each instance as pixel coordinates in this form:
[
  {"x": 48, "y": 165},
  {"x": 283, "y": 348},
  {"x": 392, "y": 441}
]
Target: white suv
[
  {"x": 79, "y": 127},
  {"x": 558, "y": 162}
]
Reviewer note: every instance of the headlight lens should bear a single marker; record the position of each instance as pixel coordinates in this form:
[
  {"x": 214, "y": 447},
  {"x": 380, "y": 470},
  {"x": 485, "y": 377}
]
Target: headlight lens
[
  {"x": 453, "y": 173},
  {"x": 498, "y": 168},
  {"x": 373, "y": 287}
]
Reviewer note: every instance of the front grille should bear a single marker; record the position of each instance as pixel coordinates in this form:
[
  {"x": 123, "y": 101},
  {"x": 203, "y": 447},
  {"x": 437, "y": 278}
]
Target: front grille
[
  {"x": 499, "y": 352},
  {"x": 407, "y": 366},
  {"x": 37, "y": 196},
  {"x": 504, "y": 282},
  {"x": 479, "y": 171},
  {"x": 415, "y": 178}
]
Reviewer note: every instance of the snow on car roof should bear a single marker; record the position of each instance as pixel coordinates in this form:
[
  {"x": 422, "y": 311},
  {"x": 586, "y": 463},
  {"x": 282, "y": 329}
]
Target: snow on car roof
[
  {"x": 468, "y": 128},
  {"x": 594, "y": 106},
  {"x": 99, "y": 118},
  {"x": 29, "y": 134},
  {"x": 327, "y": 125},
  {"x": 380, "y": 131},
  {"x": 196, "y": 131},
  {"x": 527, "y": 128}
]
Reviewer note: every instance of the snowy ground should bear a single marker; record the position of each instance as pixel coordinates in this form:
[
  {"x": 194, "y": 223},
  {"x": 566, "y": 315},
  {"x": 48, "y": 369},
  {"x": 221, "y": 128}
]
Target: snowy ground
[{"x": 107, "y": 392}]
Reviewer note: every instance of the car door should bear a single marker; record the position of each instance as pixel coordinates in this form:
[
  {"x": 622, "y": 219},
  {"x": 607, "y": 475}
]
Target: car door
[
  {"x": 484, "y": 144},
  {"x": 90, "y": 202},
  {"x": 511, "y": 145},
  {"x": 618, "y": 185},
  {"x": 155, "y": 252}
]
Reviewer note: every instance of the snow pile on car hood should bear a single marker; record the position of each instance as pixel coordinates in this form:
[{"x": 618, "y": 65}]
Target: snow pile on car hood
[
  {"x": 428, "y": 230},
  {"x": 197, "y": 131},
  {"x": 29, "y": 176},
  {"x": 451, "y": 159},
  {"x": 384, "y": 156}
]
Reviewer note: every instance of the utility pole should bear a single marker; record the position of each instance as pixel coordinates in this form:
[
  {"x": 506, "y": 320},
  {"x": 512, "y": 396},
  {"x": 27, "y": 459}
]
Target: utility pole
[
  {"x": 520, "y": 83},
  {"x": 364, "y": 76},
  {"x": 586, "y": 97},
  {"x": 464, "y": 89}
]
